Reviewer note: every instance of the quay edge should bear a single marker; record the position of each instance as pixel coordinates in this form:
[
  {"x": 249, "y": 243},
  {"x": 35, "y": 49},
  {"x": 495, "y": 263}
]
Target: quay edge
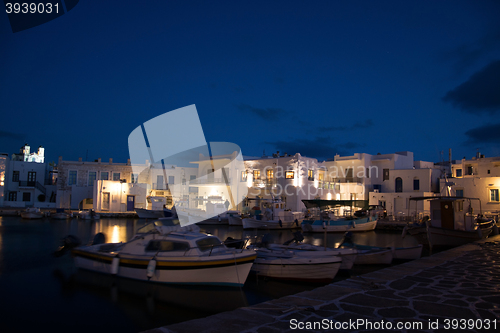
[{"x": 446, "y": 285}]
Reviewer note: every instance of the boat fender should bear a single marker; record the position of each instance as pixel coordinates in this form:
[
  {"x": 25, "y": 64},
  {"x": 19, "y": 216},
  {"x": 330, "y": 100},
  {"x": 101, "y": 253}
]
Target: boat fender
[
  {"x": 151, "y": 269},
  {"x": 219, "y": 218},
  {"x": 115, "y": 264}
]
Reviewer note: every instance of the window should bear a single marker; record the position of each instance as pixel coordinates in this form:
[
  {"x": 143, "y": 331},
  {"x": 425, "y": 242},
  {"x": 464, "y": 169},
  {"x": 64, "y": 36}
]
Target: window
[
  {"x": 458, "y": 173},
  {"x": 134, "y": 177},
  {"x": 26, "y": 196},
  {"x": 116, "y": 176},
  {"x": 399, "y": 184},
  {"x": 386, "y": 174},
  {"x": 12, "y": 196},
  {"x": 104, "y": 175},
  {"x": 166, "y": 246},
  {"x": 494, "y": 195},
  {"x": 459, "y": 193},
  {"x": 289, "y": 174},
  {"x": 270, "y": 173},
  {"x": 416, "y": 184},
  {"x": 310, "y": 174},
  {"x": 244, "y": 176},
  {"x": 368, "y": 171},
  {"x": 15, "y": 176},
  {"x": 489, "y": 172},
  {"x": 208, "y": 243},
  {"x": 92, "y": 178},
  {"x": 31, "y": 177},
  {"x": 470, "y": 170},
  {"x": 349, "y": 173},
  {"x": 256, "y": 174},
  {"x": 171, "y": 180},
  {"x": 183, "y": 181},
  {"x": 72, "y": 177}
]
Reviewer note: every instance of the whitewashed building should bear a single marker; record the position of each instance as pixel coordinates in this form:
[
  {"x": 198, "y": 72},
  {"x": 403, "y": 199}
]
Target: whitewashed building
[
  {"x": 27, "y": 180},
  {"x": 478, "y": 177}
]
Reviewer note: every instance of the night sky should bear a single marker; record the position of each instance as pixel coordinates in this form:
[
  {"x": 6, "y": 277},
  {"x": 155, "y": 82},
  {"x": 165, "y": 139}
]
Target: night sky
[{"x": 315, "y": 77}]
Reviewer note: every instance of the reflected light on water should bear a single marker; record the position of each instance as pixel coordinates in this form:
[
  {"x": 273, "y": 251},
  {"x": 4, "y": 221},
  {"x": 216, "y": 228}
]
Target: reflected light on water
[{"x": 115, "y": 234}]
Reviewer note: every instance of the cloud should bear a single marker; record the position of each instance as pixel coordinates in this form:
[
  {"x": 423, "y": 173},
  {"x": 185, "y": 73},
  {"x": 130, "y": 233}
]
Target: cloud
[
  {"x": 266, "y": 114},
  {"x": 465, "y": 55},
  {"x": 480, "y": 93},
  {"x": 10, "y": 135},
  {"x": 319, "y": 147},
  {"x": 484, "y": 134}
]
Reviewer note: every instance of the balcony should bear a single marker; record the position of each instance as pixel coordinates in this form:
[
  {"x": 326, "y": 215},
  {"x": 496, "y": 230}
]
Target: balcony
[
  {"x": 32, "y": 185},
  {"x": 348, "y": 180}
]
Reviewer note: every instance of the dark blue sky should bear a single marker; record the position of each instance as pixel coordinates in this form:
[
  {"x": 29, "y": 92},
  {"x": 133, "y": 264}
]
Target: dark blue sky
[{"x": 315, "y": 77}]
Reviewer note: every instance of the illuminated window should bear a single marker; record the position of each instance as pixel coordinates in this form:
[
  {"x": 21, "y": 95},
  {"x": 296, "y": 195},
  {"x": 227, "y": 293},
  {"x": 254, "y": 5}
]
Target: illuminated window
[
  {"x": 72, "y": 177},
  {"x": 494, "y": 195},
  {"x": 310, "y": 174},
  {"x": 289, "y": 174},
  {"x": 92, "y": 177},
  {"x": 270, "y": 173},
  {"x": 134, "y": 178},
  {"x": 256, "y": 174}
]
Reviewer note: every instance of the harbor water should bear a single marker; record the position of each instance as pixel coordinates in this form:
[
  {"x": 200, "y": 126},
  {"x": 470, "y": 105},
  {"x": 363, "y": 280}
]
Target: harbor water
[{"x": 40, "y": 292}]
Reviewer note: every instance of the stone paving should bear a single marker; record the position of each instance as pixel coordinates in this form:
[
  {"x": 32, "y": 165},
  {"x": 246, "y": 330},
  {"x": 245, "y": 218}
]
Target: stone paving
[{"x": 452, "y": 291}]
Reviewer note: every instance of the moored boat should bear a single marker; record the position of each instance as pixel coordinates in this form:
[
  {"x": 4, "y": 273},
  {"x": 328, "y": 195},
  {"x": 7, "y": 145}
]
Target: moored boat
[
  {"x": 169, "y": 254},
  {"x": 60, "y": 214},
  {"x": 32, "y": 213},
  {"x": 285, "y": 265},
  {"x": 451, "y": 222}
]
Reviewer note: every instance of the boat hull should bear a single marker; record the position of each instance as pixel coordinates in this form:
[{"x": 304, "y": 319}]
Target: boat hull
[
  {"x": 374, "y": 257},
  {"x": 252, "y": 223},
  {"x": 234, "y": 220},
  {"x": 339, "y": 225},
  {"x": 217, "y": 270},
  {"x": 31, "y": 215},
  {"x": 432, "y": 236},
  {"x": 305, "y": 269},
  {"x": 60, "y": 216}
]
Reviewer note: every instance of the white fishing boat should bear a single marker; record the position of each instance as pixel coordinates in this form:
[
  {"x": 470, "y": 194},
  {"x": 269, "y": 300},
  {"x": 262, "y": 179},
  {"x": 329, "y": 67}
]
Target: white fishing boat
[
  {"x": 285, "y": 265},
  {"x": 155, "y": 208},
  {"x": 32, "y": 213},
  {"x": 60, "y": 214},
  {"x": 88, "y": 215},
  {"x": 169, "y": 254},
  {"x": 374, "y": 257},
  {"x": 360, "y": 220},
  {"x": 235, "y": 219},
  {"x": 284, "y": 220},
  {"x": 348, "y": 256},
  {"x": 451, "y": 222}
]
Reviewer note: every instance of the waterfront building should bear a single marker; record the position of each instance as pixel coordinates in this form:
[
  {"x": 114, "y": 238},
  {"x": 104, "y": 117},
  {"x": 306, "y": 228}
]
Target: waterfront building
[
  {"x": 400, "y": 178},
  {"x": 4, "y": 164},
  {"x": 478, "y": 177},
  {"x": 28, "y": 180}
]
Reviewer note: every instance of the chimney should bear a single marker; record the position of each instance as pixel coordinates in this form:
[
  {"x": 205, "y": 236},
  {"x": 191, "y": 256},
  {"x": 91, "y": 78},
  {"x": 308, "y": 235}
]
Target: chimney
[
  {"x": 99, "y": 160},
  {"x": 110, "y": 160},
  {"x": 79, "y": 159}
]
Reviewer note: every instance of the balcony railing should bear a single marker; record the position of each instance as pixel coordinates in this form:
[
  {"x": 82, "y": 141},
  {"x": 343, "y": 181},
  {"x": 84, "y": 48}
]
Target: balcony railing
[
  {"x": 33, "y": 184},
  {"x": 348, "y": 180}
]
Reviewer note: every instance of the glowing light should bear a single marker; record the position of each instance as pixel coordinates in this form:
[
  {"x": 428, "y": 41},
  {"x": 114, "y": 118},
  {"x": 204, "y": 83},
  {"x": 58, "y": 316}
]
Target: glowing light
[
  {"x": 328, "y": 196},
  {"x": 115, "y": 234},
  {"x": 337, "y": 196}
]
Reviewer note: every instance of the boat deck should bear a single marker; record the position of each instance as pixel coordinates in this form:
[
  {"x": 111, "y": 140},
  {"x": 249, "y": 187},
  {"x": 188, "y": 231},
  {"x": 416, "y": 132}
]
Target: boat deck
[{"x": 461, "y": 283}]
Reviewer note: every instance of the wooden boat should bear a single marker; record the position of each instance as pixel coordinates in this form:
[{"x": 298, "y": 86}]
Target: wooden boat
[
  {"x": 285, "y": 265},
  {"x": 361, "y": 220},
  {"x": 451, "y": 222},
  {"x": 32, "y": 213},
  {"x": 60, "y": 214},
  {"x": 167, "y": 253},
  {"x": 374, "y": 257},
  {"x": 403, "y": 253}
]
